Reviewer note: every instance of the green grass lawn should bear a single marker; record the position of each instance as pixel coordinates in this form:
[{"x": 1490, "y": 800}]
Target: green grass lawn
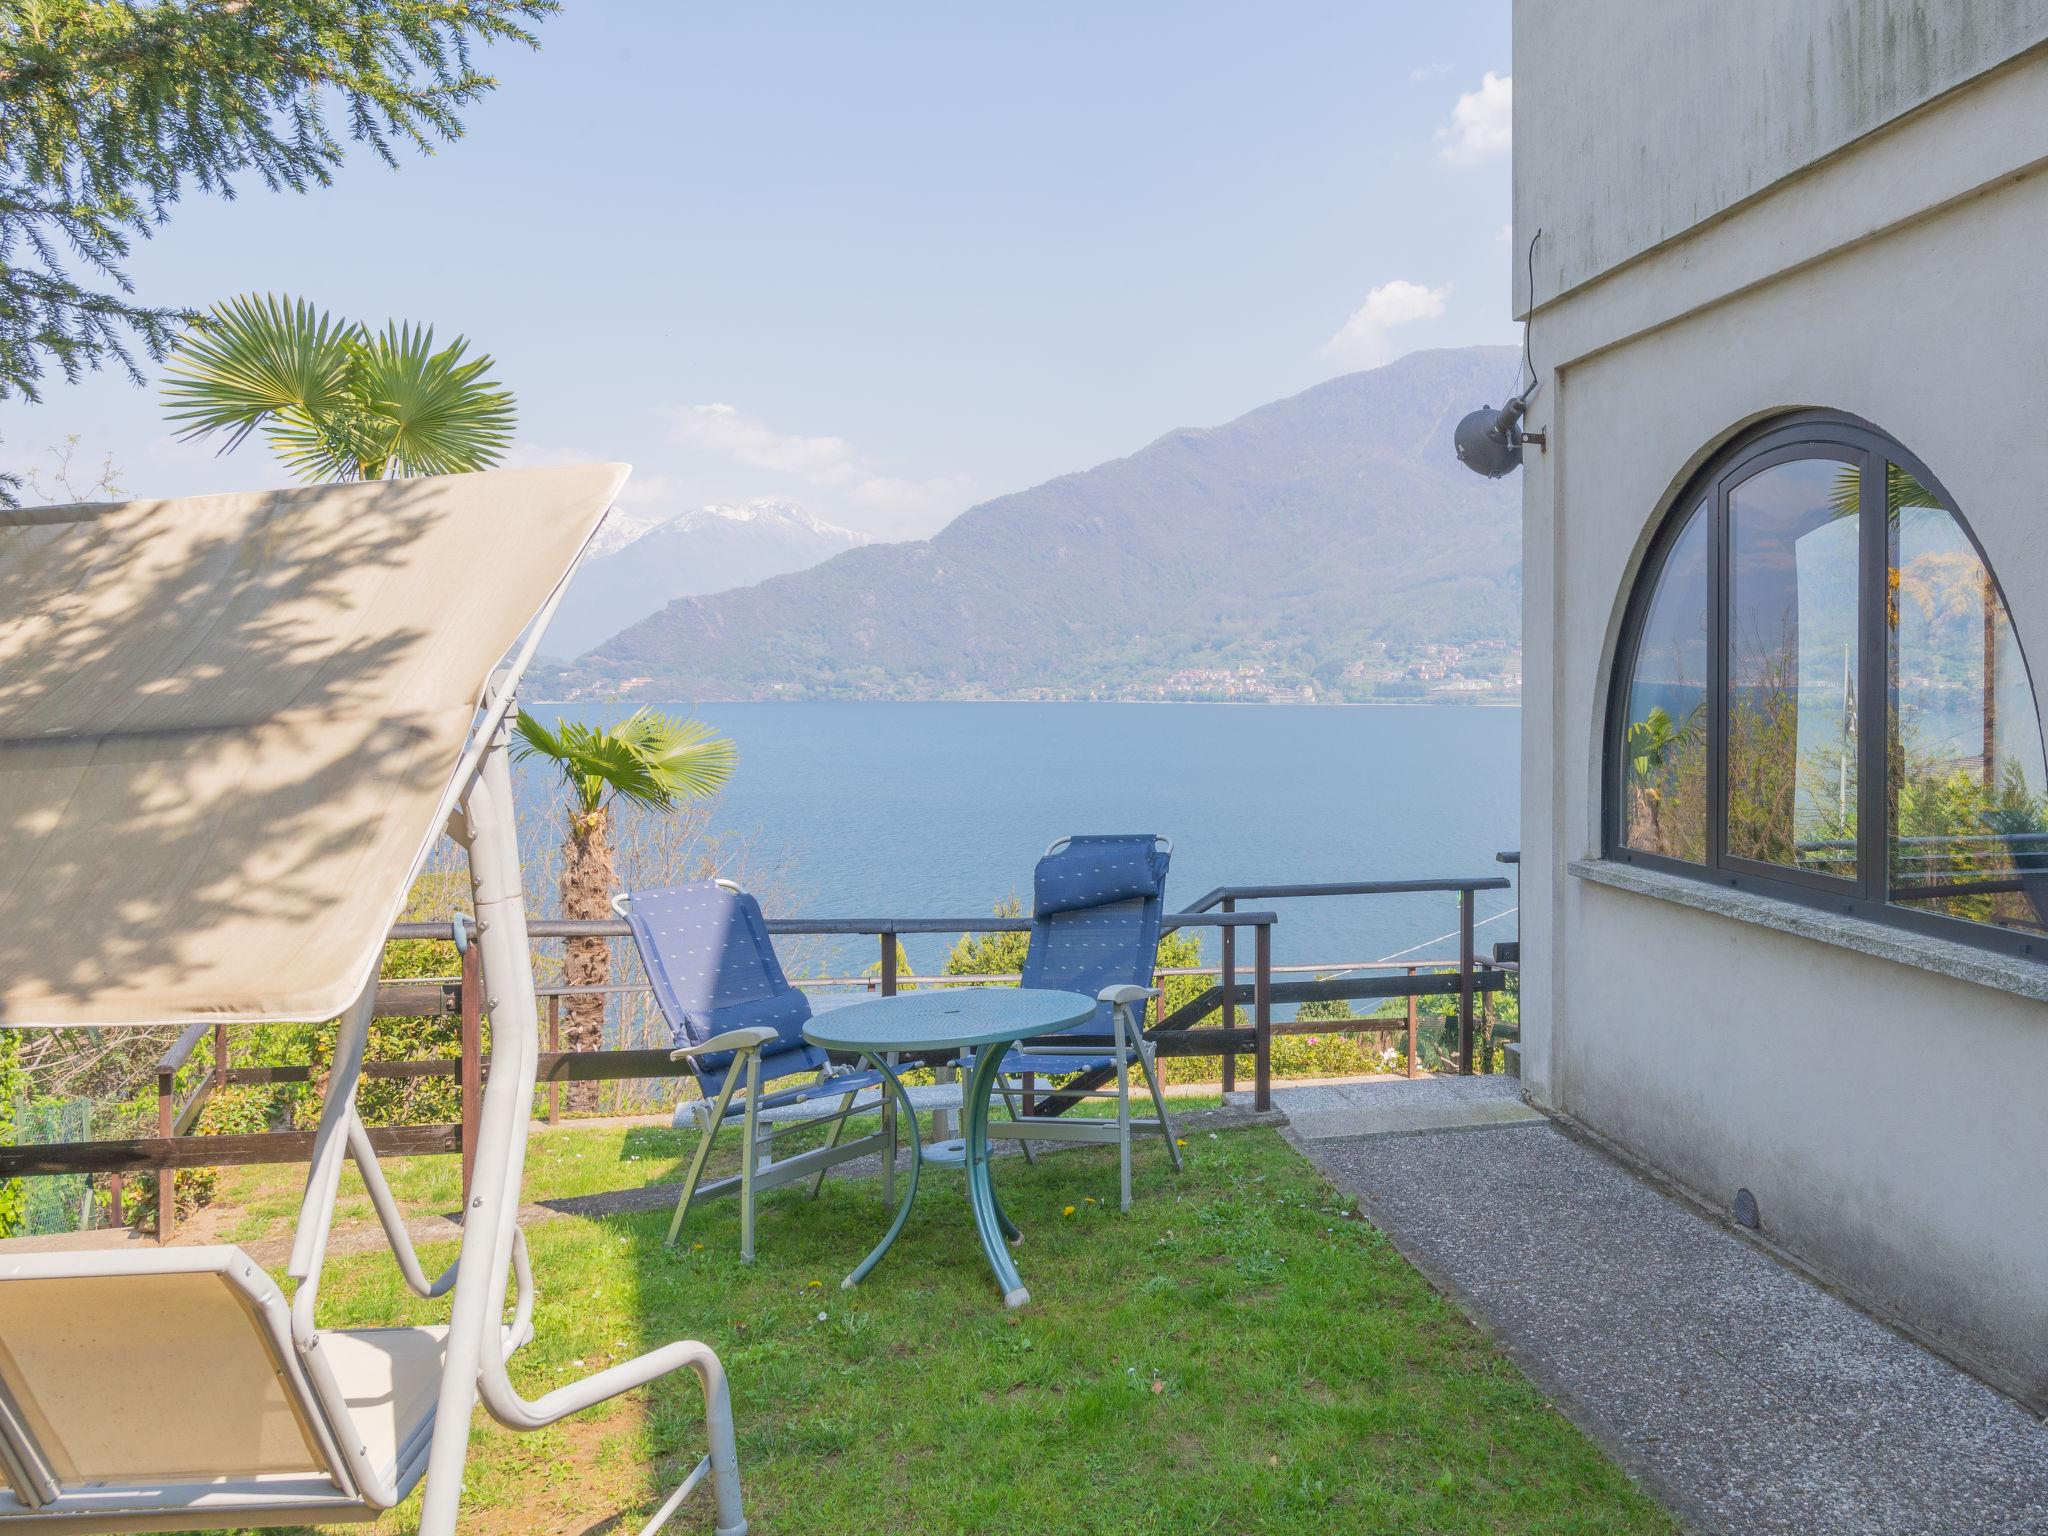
[
  {"x": 258, "y": 1202},
  {"x": 1238, "y": 1354}
]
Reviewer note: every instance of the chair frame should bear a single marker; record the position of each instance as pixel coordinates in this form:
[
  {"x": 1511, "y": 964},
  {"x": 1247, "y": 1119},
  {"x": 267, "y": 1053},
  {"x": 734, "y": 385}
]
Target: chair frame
[
  {"x": 713, "y": 1111},
  {"x": 479, "y": 810},
  {"x": 1126, "y": 1045}
]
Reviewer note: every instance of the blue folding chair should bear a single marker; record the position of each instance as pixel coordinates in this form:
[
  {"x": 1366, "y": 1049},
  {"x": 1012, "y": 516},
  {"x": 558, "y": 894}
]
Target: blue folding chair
[
  {"x": 739, "y": 1024},
  {"x": 1095, "y": 917}
]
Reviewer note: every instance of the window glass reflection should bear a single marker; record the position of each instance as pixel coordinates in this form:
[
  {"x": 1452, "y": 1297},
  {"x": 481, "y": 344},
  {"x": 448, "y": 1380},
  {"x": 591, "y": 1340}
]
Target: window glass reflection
[
  {"x": 1792, "y": 667},
  {"x": 1664, "y": 737},
  {"x": 1966, "y": 831}
]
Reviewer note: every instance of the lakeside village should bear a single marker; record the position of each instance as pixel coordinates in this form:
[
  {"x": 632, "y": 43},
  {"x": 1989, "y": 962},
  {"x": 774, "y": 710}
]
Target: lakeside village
[{"x": 1482, "y": 672}]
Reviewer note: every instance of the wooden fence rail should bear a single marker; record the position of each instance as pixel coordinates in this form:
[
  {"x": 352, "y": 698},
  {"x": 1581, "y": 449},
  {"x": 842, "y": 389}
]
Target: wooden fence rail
[{"x": 1180, "y": 1034}]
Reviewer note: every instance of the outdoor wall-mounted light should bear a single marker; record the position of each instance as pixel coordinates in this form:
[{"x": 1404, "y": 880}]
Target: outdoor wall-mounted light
[{"x": 1489, "y": 442}]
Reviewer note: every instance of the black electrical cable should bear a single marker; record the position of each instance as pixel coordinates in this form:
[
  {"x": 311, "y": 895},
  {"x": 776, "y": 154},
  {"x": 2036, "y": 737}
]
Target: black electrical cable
[{"x": 1528, "y": 361}]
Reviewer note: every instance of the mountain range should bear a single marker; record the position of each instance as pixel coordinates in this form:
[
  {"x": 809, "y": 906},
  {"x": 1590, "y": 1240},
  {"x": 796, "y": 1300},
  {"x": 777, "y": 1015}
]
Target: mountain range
[
  {"x": 1328, "y": 545},
  {"x": 639, "y": 563}
]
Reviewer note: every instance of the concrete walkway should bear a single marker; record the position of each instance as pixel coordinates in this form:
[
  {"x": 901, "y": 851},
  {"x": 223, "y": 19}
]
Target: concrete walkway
[
  {"x": 1743, "y": 1397},
  {"x": 1391, "y": 1106}
]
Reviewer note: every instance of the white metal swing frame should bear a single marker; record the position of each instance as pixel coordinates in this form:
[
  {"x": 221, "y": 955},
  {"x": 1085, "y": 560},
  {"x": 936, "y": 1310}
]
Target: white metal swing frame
[{"x": 341, "y": 1479}]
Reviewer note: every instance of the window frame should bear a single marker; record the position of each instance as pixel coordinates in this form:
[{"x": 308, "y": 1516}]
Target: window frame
[{"x": 1808, "y": 435}]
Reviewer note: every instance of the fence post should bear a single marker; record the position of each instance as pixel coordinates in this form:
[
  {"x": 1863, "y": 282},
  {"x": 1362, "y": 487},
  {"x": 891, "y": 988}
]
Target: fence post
[
  {"x": 1465, "y": 981},
  {"x": 1262, "y": 1018},
  {"x": 472, "y": 1065},
  {"x": 888, "y": 965},
  {"x": 167, "y": 1176},
  {"x": 1414, "y": 1061},
  {"x": 220, "y": 1053},
  {"x": 1229, "y": 995},
  {"x": 1486, "y": 1027},
  {"x": 555, "y": 1045}
]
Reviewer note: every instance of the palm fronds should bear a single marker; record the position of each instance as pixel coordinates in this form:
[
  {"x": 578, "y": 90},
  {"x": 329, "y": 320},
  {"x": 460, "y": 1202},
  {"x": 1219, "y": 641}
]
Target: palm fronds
[
  {"x": 439, "y": 415},
  {"x": 335, "y": 402},
  {"x": 254, "y": 361},
  {"x": 648, "y": 758},
  {"x": 1901, "y": 489}
]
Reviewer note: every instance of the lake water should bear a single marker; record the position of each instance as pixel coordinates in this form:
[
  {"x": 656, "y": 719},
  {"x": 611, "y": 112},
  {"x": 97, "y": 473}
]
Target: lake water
[{"x": 877, "y": 809}]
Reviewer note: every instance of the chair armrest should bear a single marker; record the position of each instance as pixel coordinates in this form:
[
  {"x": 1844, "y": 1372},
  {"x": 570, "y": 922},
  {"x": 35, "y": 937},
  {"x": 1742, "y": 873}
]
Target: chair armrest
[
  {"x": 731, "y": 1040},
  {"x": 1118, "y": 997}
]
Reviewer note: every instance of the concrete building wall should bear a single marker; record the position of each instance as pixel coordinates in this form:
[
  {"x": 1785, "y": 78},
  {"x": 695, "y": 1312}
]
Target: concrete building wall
[
  {"x": 1886, "y": 1114},
  {"x": 1679, "y": 110}
]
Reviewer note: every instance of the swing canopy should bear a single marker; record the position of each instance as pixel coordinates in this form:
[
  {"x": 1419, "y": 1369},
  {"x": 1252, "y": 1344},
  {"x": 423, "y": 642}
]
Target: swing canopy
[{"x": 230, "y": 728}]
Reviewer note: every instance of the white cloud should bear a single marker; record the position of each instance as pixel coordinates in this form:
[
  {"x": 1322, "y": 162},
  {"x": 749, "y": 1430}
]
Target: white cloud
[
  {"x": 1482, "y": 123},
  {"x": 901, "y": 504},
  {"x": 1362, "y": 341},
  {"x": 526, "y": 455},
  {"x": 727, "y": 430},
  {"x": 1428, "y": 71},
  {"x": 911, "y": 498},
  {"x": 639, "y": 490},
  {"x": 650, "y": 490}
]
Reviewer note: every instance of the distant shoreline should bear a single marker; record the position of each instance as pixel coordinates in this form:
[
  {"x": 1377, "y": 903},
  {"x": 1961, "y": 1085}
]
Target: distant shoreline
[{"x": 1465, "y": 702}]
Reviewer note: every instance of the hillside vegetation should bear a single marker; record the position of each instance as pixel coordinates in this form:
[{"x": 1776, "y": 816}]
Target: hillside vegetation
[{"x": 1309, "y": 541}]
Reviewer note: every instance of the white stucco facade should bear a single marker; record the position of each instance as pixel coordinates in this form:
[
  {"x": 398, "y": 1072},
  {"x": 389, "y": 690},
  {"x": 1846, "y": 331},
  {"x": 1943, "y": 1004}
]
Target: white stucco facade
[{"x": 1749, "y": 208}]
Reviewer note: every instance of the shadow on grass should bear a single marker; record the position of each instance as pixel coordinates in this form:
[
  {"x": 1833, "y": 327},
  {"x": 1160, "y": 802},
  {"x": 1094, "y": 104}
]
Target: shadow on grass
[{"x": 1236, "y": 1354}]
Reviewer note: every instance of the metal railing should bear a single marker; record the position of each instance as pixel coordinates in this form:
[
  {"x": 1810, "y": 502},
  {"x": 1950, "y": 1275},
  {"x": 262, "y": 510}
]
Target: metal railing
[
  {"x": 1183, "y": 1032},
  {"x": 1226, "y": 897}
]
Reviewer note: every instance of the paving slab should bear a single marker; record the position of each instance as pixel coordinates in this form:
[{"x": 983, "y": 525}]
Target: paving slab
[
  {"x": 1322, "y": 1111},
  {"x": 1744, "y": 1397}
]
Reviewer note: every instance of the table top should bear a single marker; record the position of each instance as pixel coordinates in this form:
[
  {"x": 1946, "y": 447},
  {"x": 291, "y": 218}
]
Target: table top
[{"x": 948, "y": 1018}]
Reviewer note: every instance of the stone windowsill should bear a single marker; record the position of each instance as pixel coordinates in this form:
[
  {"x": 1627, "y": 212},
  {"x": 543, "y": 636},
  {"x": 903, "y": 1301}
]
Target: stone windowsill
[{"x": 1985, "y": 968}]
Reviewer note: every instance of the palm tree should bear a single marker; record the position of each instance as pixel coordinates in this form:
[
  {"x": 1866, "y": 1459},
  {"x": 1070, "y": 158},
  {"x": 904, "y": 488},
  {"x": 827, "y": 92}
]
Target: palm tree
[
  {"x": 334, "y": 401},
  {"x": 648, "y": 759},
  {"x": 1651, "y": 746}
]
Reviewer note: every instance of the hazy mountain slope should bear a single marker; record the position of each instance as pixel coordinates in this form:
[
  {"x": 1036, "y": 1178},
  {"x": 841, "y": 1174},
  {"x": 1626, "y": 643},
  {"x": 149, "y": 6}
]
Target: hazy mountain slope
[
  {"x": 1290, "y": 538},
  {"x": 707, "y": 550}
]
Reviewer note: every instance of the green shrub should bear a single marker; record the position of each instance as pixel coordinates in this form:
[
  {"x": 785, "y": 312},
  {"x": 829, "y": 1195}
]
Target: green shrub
[
  {"x": 13, "y": 1084},
  {"x": 996, "y": 954},
  {"x": 401, "y": 1100}
]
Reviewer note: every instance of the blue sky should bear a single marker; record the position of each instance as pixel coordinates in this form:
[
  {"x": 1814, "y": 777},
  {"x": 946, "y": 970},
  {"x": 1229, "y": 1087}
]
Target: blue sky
[{"x": 891, "y": 260}]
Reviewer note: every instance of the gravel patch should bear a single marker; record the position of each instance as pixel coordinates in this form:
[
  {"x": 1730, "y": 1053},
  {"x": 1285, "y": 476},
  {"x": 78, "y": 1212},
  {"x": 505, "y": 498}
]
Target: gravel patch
[{"x": 1743, "y": 1396}]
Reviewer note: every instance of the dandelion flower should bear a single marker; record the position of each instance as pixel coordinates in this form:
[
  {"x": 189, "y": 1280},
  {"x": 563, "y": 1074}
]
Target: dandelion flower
[
  {"x": 1068, "y": 1211},
  {"x": 816, "y": 1285}
]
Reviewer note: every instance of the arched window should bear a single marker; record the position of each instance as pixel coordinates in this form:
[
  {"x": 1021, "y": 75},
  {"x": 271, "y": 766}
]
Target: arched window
[{"x": 1819, "y": 695}]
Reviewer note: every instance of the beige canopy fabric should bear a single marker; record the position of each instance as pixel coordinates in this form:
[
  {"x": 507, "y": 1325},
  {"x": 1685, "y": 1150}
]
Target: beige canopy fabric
[{"x": 226, "y": 724}]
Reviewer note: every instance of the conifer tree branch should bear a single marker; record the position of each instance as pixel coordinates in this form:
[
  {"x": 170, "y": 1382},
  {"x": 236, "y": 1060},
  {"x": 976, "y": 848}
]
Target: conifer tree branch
[{"x": 111, "y": 110}]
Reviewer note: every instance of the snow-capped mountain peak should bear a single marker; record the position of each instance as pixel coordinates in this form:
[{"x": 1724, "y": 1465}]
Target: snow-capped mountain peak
[
  {"x": 621, "y": 526},
  {"x": 767, "y": 510},
  {"x": 638, "y": 562}
]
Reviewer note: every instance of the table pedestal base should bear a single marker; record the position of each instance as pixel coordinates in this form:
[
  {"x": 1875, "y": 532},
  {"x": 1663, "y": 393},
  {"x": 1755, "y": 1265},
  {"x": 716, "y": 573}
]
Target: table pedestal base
[
  {"x": 903, "y": 1108},
  {"x": 996, "y": 1229},
  {"x": 989, "y": 1219}
]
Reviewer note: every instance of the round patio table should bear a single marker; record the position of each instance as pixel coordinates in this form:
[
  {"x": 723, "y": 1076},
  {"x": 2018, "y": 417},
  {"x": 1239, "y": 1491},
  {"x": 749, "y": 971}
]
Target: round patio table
[{"x": 985, "y": 1020}]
